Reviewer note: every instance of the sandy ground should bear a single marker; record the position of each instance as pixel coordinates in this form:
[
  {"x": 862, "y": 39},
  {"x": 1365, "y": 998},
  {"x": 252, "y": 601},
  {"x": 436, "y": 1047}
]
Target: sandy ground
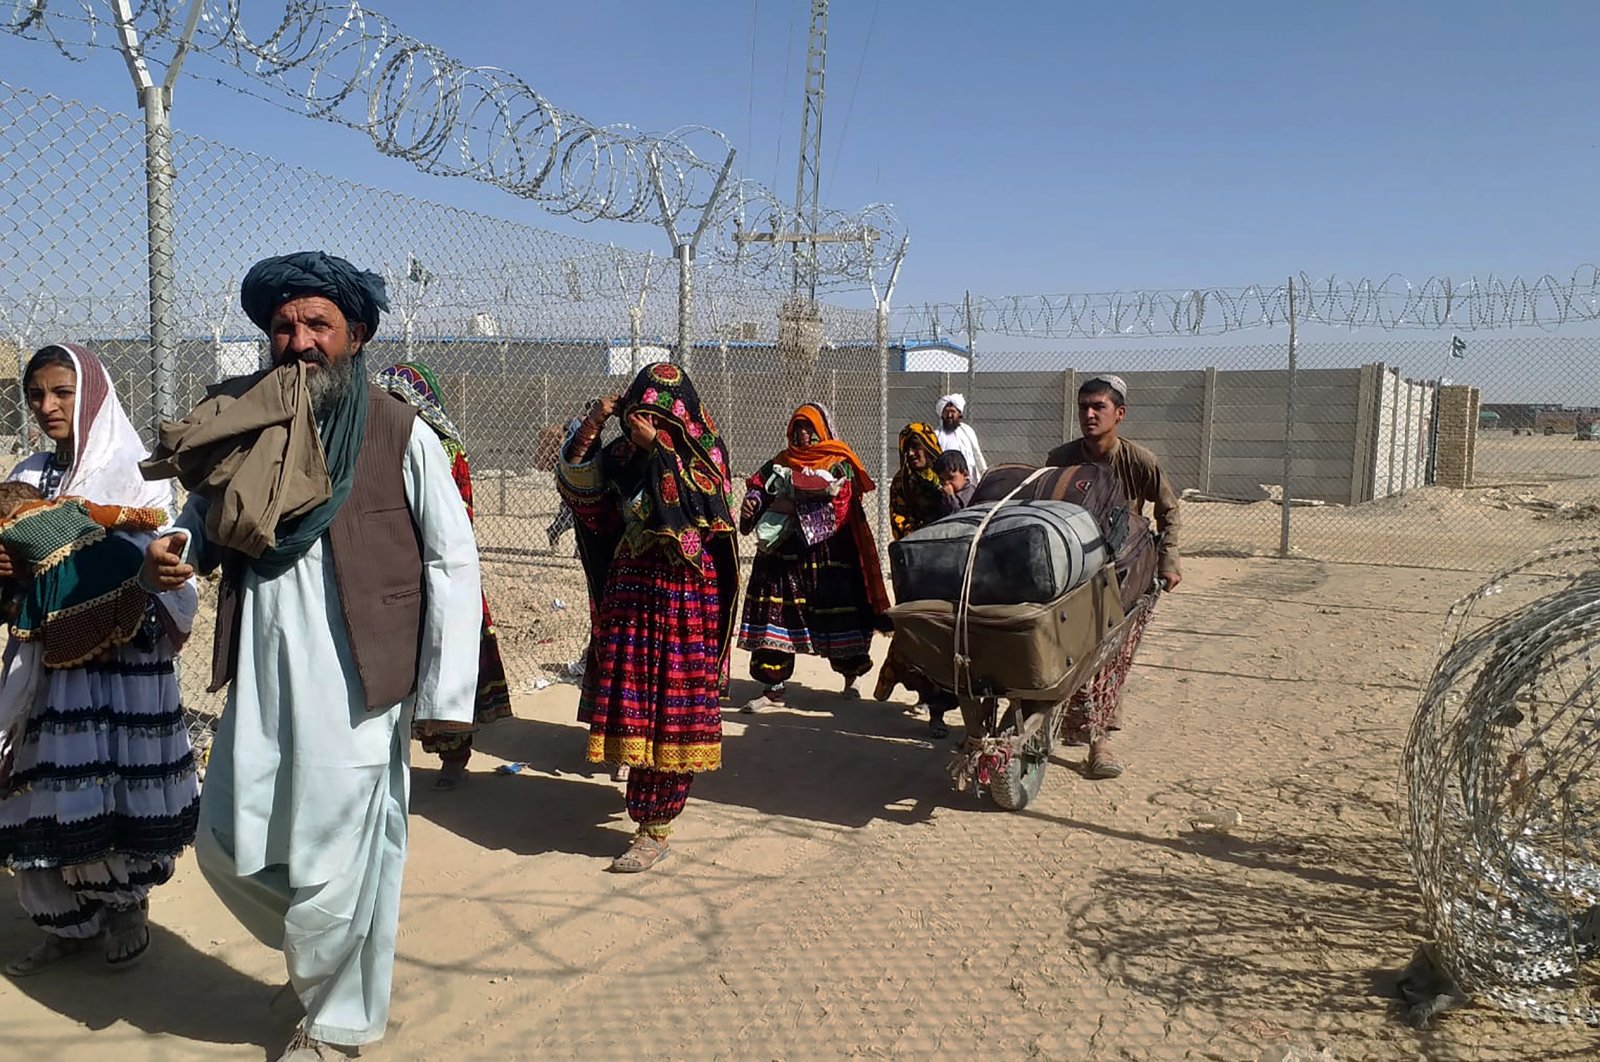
[{"x": 830, "y": 896}]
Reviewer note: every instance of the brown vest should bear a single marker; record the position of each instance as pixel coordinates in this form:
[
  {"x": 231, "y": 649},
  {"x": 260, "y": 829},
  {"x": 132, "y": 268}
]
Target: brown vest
[{"x": 377, "y": 566}]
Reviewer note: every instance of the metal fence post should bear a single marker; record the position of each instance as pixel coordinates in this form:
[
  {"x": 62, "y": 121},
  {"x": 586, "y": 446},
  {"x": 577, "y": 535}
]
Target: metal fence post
[
  {"x": 159, "y": 214},
  {"x": 683, "y": 249},
  {"x": 156, "y": 100},
  {"x": 972, "y": 351},
  {"x": 881, "y": 338},
  {"x": 685, "y": 255},
  {"x": 725, "y": 414},
  {"x": 1288, "y": 430},
  {"x": 880, "y": 300}
]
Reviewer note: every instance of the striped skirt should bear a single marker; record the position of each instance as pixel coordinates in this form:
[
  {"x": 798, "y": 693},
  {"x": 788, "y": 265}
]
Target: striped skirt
[
  {"x": 652, "y": 687},
  {"x": 104, "y": 768},
  {"x": 810, "y": 600}
]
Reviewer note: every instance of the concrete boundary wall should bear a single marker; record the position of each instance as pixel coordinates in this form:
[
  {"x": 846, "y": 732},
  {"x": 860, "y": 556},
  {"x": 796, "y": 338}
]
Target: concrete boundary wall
[{"x": 1360, "y": 433}]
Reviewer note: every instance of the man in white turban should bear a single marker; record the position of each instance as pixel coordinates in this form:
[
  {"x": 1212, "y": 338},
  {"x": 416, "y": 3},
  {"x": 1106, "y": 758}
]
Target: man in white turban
[{"x": 955, "y": 435}]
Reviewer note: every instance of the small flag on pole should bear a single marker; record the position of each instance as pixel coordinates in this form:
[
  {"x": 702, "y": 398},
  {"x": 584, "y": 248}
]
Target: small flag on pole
[{"x": 1458, "y": 347}]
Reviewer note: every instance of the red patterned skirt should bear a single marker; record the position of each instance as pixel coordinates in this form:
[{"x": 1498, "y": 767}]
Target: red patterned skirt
[
  {"x": 1096, "y": 709},
  {"x": 652, "y": 689}
]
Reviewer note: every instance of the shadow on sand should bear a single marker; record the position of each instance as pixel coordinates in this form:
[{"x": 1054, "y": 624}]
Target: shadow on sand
[{"x": 176, "y": 990}]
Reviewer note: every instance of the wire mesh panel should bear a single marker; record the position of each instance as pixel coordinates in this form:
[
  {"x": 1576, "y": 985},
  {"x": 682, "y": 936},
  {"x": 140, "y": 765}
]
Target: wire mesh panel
[
  {"x": 1398, "y": 452},
  {"x": 1218, "y": 432},
  {"x": 522, "y": 326}
]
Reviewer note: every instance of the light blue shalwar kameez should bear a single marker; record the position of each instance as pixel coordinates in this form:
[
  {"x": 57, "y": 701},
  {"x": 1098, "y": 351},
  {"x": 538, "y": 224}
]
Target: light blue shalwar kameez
[{"x": 303, "y": 814}]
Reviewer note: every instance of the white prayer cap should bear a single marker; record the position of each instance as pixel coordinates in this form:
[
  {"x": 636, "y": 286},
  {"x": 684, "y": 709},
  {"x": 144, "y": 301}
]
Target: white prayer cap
[
  {"x": 1107, "y": 380},
  {"x": 957, "y": 400}
]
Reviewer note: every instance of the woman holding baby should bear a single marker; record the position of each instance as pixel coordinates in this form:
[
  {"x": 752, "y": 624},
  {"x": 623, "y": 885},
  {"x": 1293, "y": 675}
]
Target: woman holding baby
[
  {"x": 816, "y": 585},
  {"x": 98, "y": 789}
]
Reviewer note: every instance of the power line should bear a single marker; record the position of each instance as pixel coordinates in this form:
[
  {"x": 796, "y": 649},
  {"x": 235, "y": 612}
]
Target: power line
[
  {"x": 855, "y": 86},
  {"x": 750, "y": 108}
]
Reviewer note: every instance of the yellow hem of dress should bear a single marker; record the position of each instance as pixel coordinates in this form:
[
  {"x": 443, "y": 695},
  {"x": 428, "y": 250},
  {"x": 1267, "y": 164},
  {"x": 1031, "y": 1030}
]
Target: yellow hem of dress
[{"x": 641, "y": 752}]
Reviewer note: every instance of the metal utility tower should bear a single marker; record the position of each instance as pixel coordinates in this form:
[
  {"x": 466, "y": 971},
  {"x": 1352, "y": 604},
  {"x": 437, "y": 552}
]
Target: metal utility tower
[
  {"x": 804, "y": 236},
  {"x": 808, "y": 178}
]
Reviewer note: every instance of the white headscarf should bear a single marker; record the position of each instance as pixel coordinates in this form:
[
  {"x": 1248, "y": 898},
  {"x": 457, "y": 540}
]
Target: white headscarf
[
  {"x": 106, "y": 451},
  {"x": 106, "y": 446},
  {"x": 957, "y": 400}
]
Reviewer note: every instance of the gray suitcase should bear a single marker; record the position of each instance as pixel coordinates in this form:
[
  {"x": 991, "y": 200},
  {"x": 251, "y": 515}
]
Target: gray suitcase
[{"x": 1031, "y": 552}]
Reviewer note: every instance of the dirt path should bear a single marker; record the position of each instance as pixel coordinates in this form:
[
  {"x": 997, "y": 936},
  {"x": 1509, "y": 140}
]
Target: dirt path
[{"x": 830, "y": 896}]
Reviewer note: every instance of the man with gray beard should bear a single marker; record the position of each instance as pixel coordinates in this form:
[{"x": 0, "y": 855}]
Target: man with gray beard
[
  {"x": 330, "y": 382},
  {"x": 336, "y": 626}
]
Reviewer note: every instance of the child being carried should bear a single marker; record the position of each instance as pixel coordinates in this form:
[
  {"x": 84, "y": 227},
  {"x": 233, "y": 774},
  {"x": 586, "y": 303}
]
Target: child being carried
[{"x": 78, "y": 591}]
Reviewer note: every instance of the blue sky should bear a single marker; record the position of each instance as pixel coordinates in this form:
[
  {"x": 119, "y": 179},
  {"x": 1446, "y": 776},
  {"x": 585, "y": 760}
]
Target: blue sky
[{"x": 1048, "y": 147}]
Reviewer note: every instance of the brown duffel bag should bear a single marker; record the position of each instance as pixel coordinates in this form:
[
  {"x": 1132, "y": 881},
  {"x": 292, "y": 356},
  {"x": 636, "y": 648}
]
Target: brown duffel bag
[{"x": 1036, "y": 651}]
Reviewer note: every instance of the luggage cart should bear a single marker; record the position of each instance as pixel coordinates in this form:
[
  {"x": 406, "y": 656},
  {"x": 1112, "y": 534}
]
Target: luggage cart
[{"x": 1014, "y": 668}]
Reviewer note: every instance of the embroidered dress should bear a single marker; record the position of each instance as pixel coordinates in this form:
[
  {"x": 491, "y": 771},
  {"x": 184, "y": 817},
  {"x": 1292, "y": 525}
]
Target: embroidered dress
[
  {"x": 817, "y": 587},
  {"x": 102, "y": 794},
  {"x": 656, "y": 533}
]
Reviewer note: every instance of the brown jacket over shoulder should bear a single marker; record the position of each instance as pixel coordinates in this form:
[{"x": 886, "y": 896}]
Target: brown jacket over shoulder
[
  {"x": 377, "y": 566},
  {"x": 251, "y": 450}
]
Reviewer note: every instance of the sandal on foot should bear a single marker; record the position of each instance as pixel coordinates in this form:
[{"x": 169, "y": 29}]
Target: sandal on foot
[
  {"x": 49, "y": 952},
  {"x": 619, "y": 773},
  {"x": 303, "y": 1048},
  {"x": 643, "y": 853},
  {"x": 1103, "y": 763},
  {"x": 937, "y": 729},
  {"x": 851, "y": 694},
  {"x": 127, "y": 935},
  {"x": 759, "y": 704},
  {"x": 450, "y": 775}
]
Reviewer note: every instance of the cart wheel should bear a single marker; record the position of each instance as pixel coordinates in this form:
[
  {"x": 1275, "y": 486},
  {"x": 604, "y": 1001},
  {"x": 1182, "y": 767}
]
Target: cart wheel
[{"x": 1015, "y": 787}]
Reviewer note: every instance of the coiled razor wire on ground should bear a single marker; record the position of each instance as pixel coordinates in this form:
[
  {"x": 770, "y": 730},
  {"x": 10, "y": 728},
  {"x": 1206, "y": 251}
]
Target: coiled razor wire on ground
[
  {"x": 1501, "y": 776},
  {"x": 1391, "y": 304},
  {"x": 348, "y": 64}
]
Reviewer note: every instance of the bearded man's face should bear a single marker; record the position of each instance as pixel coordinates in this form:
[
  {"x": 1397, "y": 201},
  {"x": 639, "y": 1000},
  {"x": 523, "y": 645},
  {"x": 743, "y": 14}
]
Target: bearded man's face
[{"x": 312, "y": 329}]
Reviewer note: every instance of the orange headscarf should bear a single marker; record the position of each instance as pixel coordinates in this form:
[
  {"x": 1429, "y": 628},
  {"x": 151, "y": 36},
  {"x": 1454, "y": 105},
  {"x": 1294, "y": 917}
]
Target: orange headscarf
[{"x": 826, "y": 452}]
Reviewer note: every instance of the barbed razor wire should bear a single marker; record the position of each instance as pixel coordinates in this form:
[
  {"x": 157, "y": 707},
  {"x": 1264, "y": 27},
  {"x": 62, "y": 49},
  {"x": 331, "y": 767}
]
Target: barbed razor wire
[
  {"x": 1502, "y": 790},
  {"x": 1390, "y": 304},
  {"x": 345, "y": 63}
]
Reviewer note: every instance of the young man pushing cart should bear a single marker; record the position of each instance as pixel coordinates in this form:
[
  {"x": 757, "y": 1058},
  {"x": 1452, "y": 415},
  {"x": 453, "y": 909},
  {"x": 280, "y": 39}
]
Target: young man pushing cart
[{"x": 1096, "y": 710}]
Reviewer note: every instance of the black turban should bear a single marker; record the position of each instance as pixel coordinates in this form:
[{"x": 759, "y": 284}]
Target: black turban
[{"x": 273, "y": 281}]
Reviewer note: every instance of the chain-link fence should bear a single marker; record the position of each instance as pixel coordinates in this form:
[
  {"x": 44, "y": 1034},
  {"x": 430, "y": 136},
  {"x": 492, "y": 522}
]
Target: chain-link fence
[
  {"x": 522, "y": 326},
  {"x": 1401, "y": 452}
]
